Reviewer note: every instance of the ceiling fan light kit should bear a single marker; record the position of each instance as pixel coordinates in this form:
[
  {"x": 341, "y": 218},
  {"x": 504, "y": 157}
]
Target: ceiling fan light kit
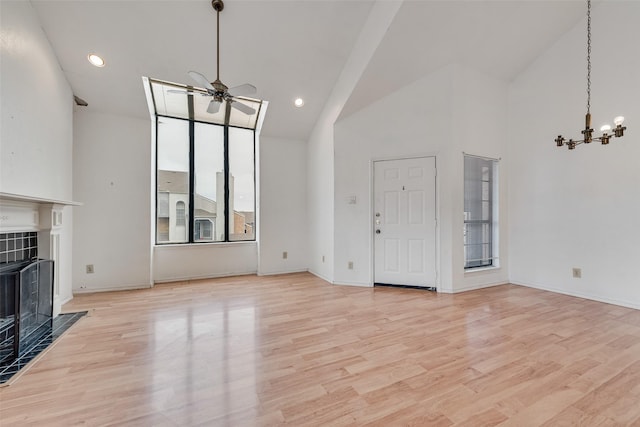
[
  {"x": 618, "y": 130},
  {"x": 218, "y": 91}
]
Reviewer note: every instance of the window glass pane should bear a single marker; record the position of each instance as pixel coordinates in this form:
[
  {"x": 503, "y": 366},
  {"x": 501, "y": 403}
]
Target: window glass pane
[
  {"x": 173, "y": 179},
  {"x": 171, "y": 99},
  {"x": 241, "y": 118},
  {"x": 208, "y": 198},
  {"x": 242, "y": 184}
]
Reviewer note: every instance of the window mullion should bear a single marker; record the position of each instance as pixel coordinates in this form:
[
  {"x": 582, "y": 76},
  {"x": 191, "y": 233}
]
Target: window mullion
[
  {"x": 192, "y": 178},
  {"x": 227, "y": 221}
]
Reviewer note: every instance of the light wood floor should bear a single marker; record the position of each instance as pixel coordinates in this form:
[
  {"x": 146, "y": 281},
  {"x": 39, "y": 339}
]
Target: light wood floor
[{"x": 294, "y": 350}]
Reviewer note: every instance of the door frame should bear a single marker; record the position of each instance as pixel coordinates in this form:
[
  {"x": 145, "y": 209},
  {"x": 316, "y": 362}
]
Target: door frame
[{"x": 372, "y": 196}]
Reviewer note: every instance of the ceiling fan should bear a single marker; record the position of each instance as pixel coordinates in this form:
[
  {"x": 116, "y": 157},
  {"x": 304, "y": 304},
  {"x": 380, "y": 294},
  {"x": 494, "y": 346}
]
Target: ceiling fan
[{"x": 217, "y": 90}]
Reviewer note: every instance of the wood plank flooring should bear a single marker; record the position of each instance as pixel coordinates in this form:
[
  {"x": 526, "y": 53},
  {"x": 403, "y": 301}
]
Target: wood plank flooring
[{"x": 294, "y": 350}]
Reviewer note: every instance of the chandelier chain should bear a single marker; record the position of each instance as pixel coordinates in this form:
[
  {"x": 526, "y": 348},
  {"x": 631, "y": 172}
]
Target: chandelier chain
[{"x": 588, "y": 56}]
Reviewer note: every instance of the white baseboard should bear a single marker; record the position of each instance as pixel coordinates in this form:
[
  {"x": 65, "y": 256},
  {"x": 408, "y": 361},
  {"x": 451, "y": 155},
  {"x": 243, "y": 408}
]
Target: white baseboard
[
  {"x": 274, "y": 273},
  {"x": 359, "y": 284},
  {"x": 66, "y": 300},
  {"x": 204, "y": 276},
  {"x": 475, "y": 287},
  {"x": 112, "y": 288},
  {"x": 591, "y": 297},
  {"x": 326, "y": 279}
]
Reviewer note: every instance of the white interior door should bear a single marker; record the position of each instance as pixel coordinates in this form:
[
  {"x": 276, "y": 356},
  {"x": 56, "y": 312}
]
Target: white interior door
[{"x": 405, "y": 222}]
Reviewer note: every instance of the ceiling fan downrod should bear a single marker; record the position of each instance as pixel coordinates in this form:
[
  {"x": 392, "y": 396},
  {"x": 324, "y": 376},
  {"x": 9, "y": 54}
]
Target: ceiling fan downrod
[{"x": 218, "y": 6}]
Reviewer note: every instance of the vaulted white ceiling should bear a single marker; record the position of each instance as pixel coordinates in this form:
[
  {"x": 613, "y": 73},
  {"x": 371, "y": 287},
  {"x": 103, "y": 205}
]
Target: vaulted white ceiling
[
  {"x": 500, "y": 38},
  {"x": 289, "y": 48}
]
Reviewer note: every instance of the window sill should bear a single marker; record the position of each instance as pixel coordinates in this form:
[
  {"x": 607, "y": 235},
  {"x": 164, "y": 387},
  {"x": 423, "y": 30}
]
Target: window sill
[
  {"x": 481, "y": 269},
  {"x": 207, "y": 244}
]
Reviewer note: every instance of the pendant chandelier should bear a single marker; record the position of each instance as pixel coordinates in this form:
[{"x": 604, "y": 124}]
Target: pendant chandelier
[{"x": 587, "y": 133}]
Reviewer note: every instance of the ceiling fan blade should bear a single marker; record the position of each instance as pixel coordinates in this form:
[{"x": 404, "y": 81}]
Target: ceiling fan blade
[
  {"x": 214, "y": 106},
  {"x": 245, "y": 89},
  {"x": 243, "y": 107},
  {"x": 186, "y": 92},
  {"x": 201, "y": 80}
]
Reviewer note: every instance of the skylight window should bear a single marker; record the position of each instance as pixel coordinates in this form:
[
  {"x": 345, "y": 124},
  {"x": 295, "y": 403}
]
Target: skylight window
[{"x": 166, "y": 99}]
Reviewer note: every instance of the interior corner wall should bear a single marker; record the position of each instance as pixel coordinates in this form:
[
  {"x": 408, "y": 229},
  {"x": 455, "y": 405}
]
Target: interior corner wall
[
  {"x": 111, "y": 172},
  {"x": 580, "y": 208},
  {"x": 452, "y": 110},
  {"x": 320, "y": 201},
  {"x": 282, "y": 223},
  {"x": 36, "y": 124}
]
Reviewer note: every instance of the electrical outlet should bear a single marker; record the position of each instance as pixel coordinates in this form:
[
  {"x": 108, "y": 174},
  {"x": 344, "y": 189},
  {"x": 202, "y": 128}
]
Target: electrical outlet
[
  {"x": 577, "y": 273},
  {"x": 350, "y": 265},
  {"x": 285, "y": 255},
  {"x": 322, "y": 258},
  {"x": 89, "y": 268}
]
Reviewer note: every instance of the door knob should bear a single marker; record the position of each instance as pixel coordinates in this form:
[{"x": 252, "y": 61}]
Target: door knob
[{"x": 378, "y": 231}]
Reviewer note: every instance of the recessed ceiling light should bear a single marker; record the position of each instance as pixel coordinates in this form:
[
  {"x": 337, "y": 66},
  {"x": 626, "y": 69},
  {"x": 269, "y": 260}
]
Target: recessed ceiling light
[
  {"x": 299, "y": 102},
  {"x": 95, "y": 60}
]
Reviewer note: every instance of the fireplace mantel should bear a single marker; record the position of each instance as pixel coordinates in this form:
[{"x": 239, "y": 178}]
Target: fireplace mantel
[
  {"x": 39, "y": 200},
  {"x": 27, "y": 213}
]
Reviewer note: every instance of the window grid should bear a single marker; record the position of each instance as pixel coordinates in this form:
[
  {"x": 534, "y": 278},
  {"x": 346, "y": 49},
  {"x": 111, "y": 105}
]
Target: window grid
[
  {"x": 206, "y": 232},
  {"x": 478, "y": 212}
]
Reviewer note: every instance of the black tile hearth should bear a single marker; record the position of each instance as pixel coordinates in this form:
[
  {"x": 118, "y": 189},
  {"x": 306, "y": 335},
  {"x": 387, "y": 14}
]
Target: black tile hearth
[{"x": 61, "y": 324}]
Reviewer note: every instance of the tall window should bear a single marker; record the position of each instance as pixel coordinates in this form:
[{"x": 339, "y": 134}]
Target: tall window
[
  {"x": 207, "y": 171},
  {"x": 480, "y": 212}
]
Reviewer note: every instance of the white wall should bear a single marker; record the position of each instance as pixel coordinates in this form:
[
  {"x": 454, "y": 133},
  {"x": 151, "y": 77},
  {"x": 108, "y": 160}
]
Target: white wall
[
  {"x": 443, "y": 114},
  {"x": 187, "y": 262},
  {"x": 36, "y": 110},
  {"x": 578, "y": 208},
  {"x": 112, "y": 178},
  {"x": 283, "y": 218}
]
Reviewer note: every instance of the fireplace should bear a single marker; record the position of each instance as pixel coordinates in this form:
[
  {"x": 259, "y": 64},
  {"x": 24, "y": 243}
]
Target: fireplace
[
  {"x": 35, "y": 278},
  {"x": 26, "y": 306}
]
